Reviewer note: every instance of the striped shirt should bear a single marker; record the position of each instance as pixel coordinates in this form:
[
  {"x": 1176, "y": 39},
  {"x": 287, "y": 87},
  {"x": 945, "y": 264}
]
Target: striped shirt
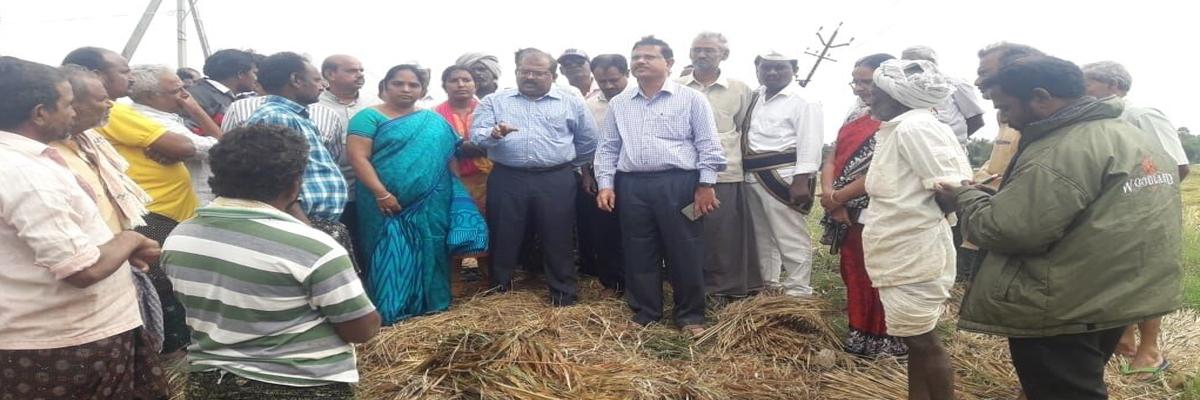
[
  {"x": 673, "y": 130},
  {"x": 323, "y": 194},
  {"x": 552, "y": 130},
  {"x": 262, "y": 292}
]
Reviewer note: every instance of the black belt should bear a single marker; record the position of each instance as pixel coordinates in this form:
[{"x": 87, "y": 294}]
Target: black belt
[
  {"x": 672, "y": 171},
  {"x": 558, "y": 167}
]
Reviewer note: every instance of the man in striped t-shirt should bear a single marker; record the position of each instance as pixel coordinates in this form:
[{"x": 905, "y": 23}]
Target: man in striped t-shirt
[{"x": 273, "y": 304}]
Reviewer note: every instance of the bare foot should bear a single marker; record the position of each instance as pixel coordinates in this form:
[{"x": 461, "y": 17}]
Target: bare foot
[{"x": 1126, "y": 349}]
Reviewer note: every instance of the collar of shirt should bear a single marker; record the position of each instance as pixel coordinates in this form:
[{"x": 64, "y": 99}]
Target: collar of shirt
[
  {"x": 554, "y": 93},
  {"x": 690, "y": 80},
  {"x": 669, "y": 87},
  {"x": 170, "y": 121},
  {"x": 791, "y": 90},
  {"x": 22, "y": 144},
  {"x": 288, "y": 104},
  {"x": 907, "y": 114},
  {"x": 244, "y": 205},
  {"x": 330, "y": 97},
  {"x": 220, "y": 87}
]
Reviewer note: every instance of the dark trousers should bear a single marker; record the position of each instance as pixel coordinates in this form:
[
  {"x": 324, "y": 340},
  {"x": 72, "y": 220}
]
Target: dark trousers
[
  {"x": 350, "y": 220},
  {"x": 517, "y": 197},
  {"x": 1064, "y": 367},
  {"x": 651, "y": 221},
  {"x": 599, "y": 237}
]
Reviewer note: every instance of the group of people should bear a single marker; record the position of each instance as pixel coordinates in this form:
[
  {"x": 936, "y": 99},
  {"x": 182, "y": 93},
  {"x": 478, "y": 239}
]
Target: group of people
[{"x": 265, "y": 215}]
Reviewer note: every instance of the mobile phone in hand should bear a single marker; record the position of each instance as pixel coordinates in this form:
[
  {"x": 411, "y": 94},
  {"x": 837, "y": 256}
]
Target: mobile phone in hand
[{"x": 689, "y": 211}]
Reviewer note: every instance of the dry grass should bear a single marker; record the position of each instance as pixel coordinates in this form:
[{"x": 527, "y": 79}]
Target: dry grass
[{"x": 515, "y": 346}]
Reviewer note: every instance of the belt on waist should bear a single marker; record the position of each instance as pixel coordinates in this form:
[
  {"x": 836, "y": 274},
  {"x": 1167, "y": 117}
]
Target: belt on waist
[
  {"x": 553, "y": 168},
  {"x": 765, "y": 161},
  {"x": 673, "y": 171}
]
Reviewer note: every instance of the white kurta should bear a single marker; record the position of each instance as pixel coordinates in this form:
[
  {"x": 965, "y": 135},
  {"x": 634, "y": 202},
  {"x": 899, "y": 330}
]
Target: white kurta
[
  {"x": 784, "y": 122},
  {"x": 906, "y": 237},
  {"x": 907, "y": 243}
]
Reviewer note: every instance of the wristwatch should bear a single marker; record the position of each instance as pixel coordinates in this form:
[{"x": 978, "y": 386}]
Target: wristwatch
[{"x": 705, "y": 185}]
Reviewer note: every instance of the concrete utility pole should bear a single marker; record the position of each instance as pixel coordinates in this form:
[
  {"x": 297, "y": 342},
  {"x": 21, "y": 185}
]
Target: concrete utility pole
[
  {"x": 827, "y": 44},
  {"x": 182, "y": 9},
  {"x": 181, "y": 33}
]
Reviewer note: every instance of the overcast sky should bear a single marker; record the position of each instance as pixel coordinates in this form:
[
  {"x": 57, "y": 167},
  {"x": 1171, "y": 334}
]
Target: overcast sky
[{"x": 1149, "y": 36}]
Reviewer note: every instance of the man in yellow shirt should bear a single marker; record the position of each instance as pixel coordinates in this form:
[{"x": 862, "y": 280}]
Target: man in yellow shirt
[{"x": 154, "y": 157}]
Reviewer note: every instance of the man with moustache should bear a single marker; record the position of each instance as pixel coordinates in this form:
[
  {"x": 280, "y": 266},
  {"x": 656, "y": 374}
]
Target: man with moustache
[
  {"x": 729, "y": 272},
  {"x": 61, "y": 259},
  {"x": 782, "y": 153},
  {"x": 600, "y": 232},
  {"x": 535, "y": 135},
  {"x": 657, "y": 161}
]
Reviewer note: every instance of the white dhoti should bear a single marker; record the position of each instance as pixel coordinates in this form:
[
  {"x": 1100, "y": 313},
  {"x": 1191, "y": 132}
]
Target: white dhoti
[
  {"x": 913, "y": 309},
  {"x": 782, "y": 240}
]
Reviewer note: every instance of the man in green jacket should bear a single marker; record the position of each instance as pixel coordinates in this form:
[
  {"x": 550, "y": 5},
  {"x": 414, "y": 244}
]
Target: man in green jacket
[{"x": 1083, "y": 237}]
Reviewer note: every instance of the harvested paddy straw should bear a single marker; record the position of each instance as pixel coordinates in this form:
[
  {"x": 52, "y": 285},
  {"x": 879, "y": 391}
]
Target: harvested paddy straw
[{"x": 515, "y": 346}]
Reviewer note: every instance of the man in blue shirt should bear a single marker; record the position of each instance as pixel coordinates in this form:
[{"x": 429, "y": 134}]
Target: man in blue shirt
[
  {"x": 293, "y": 83},
  {"x": 536, "y": 135},
  {"x": 659, "y": 147}
]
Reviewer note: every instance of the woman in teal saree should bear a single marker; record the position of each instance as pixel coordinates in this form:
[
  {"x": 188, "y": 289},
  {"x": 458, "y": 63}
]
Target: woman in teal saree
[{"x": 423, "y": 215}]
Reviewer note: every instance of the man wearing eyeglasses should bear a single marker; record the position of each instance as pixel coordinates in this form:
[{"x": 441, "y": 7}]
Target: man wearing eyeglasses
[
  {"x": 729, "y": 271},
  {"x": 536, "y": 136}
]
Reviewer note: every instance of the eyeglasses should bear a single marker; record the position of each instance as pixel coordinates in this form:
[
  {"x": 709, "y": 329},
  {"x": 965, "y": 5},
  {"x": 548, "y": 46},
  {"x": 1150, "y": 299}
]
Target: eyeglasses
[
  {"x": 534, "y": 74},
  {"x": 854, "y": 84}
]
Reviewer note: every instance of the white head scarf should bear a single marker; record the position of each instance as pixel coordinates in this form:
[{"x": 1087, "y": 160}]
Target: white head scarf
[
  {"x": 914, "y": 83},
  {"x": 491, "y": 62}
]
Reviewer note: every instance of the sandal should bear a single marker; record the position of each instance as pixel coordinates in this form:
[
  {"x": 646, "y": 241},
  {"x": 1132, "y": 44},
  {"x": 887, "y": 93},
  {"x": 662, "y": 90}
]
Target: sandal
[{"x": 1155, "y": 372}]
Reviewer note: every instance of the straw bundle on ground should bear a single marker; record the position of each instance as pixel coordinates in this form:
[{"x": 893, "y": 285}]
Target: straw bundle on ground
[{"x": 515, "y": 346}]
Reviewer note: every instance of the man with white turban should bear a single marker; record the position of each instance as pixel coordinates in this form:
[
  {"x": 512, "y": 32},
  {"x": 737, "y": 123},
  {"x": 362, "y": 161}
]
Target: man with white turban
[
  {"x": 907, "y": 243},
  {"x": 485, "y": 69}
]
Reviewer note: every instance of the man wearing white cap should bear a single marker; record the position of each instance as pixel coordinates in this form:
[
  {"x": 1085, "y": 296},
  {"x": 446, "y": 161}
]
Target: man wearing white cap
[
  {"x": 575, "y": 65},
  {"x": 782, "y": 152},
  {"x": 907, "y": 243}
]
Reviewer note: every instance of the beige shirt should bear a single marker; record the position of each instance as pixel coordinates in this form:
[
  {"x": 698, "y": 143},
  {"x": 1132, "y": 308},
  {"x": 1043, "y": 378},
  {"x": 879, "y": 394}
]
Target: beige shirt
[
  {"x": 598, "y": 105},
  {"x": 905, "y": 234},
  {"x": 1153, "y": 122},
  {"x": 1003, "y": 150},
  {"x": 80, "y": 166},
  {"x": 50, "y": 229},
  {"x": 730, "y": 99}
]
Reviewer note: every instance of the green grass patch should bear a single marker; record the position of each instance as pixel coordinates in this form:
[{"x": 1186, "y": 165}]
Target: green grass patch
[{"x": 1191, "y": 241}]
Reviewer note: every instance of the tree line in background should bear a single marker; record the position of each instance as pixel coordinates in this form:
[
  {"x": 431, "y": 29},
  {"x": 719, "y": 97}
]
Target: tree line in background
[{"x": 979, "y": 149}]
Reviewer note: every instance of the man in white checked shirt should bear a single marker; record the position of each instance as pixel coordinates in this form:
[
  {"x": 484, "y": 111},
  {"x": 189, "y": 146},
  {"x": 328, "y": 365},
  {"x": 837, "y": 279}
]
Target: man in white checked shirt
[{"x": 658, "y": 151}]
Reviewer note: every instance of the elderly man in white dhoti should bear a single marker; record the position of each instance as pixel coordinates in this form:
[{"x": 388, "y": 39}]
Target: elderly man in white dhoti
[{"x": 907, "y": 243}]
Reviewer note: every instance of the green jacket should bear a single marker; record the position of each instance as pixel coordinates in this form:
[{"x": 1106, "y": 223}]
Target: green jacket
[{"x": 1084, "y": 234}]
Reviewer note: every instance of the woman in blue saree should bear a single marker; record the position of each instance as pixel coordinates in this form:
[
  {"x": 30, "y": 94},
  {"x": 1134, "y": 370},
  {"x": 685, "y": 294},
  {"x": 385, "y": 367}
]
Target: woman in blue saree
[{"x": 423, "y": 215}]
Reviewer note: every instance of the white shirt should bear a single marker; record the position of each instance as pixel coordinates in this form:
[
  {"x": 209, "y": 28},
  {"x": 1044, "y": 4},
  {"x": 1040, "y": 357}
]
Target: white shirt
[
  {"x": 784, "y": 122},
  {"x": 903, "y": 226},
  {"x": 1153, "y": 122},
  {"x": 963, "y": 104},
  {"x": 347, "y": 111},
  {"x": 50, "y": 229},
  {"x": 197, "y": 166}
]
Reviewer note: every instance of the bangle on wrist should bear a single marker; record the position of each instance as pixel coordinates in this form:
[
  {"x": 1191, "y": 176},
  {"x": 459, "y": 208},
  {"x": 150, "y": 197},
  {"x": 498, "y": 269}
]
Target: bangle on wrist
[{"x": 389, "y": 195}]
